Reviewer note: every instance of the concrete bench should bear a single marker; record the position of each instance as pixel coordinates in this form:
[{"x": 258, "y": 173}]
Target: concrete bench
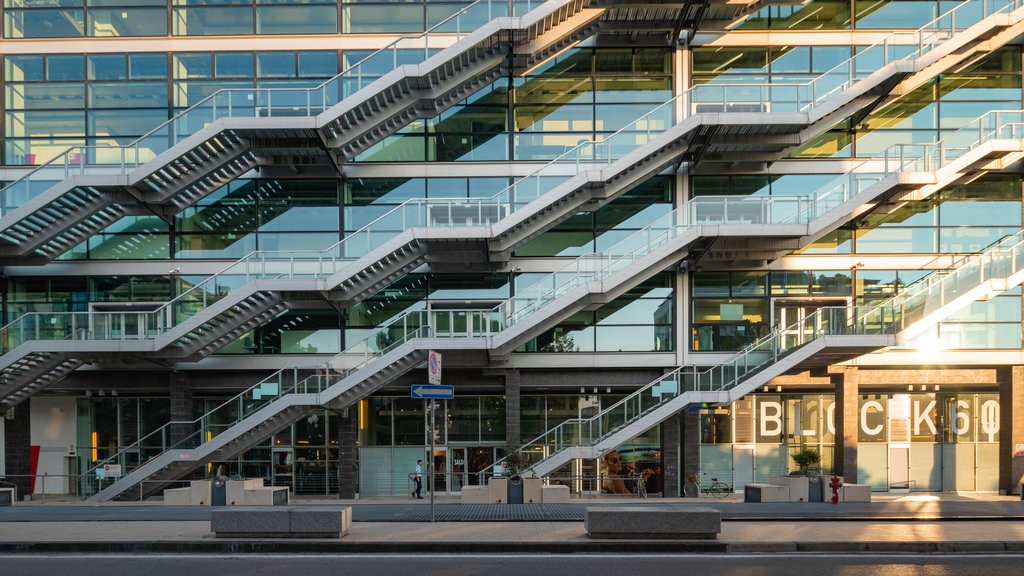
[
  {"x": 765, "y": 493},
  {"x": 281, "y": 522},
  {"x": 645, "y": 522}
]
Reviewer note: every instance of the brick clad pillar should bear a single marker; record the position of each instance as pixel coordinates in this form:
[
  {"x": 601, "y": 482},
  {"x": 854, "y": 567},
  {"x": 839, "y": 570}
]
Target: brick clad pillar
[
  {"x": 17, "y": 439},
  {"x": 847, "y": 398},
  {"x": 671, "y": 447},
  {"x": 348, "y": 452},
  {"x": 1011, "y": 426}
]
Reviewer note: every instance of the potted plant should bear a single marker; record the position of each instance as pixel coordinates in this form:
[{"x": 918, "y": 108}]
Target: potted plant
[{"x": 805, "y": 458}]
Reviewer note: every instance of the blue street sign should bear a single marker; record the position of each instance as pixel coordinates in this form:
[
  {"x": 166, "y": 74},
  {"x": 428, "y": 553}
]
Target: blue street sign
[{"x": 432, "y": 391}]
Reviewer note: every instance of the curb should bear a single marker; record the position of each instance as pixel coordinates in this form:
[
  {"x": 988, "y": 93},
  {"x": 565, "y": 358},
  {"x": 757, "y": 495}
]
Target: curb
[{"x": 581, "y": 547}]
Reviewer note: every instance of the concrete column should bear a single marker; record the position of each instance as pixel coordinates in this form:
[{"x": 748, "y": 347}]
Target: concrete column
[
  {"x": 512, "y": 408},
  {"x": 348, "y": 452},
  {"x": 847, "y": 398},
  {"x": 181, "y": 407},
  {"x": 1011, "y": 426},
  {"x": 17, "y": 451},
  {"x": 689, "y": 447},
  {"x": 670, "y": 449}
]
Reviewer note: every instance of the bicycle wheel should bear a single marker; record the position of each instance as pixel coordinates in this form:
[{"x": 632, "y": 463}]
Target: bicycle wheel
[
  {"x": 690, "y": 489},
  {"x": 719, "y": 489}
]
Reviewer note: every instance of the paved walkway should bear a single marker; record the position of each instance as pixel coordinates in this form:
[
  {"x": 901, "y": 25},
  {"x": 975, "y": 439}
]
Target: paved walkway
[{"x": 908, "y": 523}]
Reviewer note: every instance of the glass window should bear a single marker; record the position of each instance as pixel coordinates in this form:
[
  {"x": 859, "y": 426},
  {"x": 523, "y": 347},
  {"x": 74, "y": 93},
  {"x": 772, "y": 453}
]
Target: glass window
[
  {"x": 50, "y": 95},
  {"x": 117, "y": 123},
  {"x": 65, "y": 67},
  {"x": 1006, "y": 214},
  {"x": 304, "y": 19},
  {"x": 127, "y": 22},
  {"x": 897, "y": 241},
  {"x": 727, "y": 324},
  {"x": 147, "y": 66},
  {"x": 234, "y": 65},
  {"x": 318, "y": 64},
  {"x": 895, "y": 13},
  {"x": 193, "y": 65},
  {"x": 107, "y": 67},
  {"x": 275, "y": 64},
  {"x": 382, "y": 18},
  {"x": 123, "y": 95},
  {"x": 62, "y": 23},
  {"x": 213, "y": 21},
  {"x": 23, "y": 68}
]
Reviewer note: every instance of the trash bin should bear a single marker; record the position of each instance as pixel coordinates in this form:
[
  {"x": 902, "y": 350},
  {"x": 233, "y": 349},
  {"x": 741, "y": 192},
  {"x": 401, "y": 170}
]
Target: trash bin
[
  {"x": 219, "y": 491},
  {"x": 515, "y": 489},
  {"x": 814, "y": 488}
]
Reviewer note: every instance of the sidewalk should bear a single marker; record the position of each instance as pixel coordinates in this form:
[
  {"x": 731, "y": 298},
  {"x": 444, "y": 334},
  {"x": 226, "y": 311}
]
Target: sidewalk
[{"x": 891, "y": 523}]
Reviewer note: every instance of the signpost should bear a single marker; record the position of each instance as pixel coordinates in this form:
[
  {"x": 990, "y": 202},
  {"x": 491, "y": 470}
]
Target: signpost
[{"x": 432, "y": 391}]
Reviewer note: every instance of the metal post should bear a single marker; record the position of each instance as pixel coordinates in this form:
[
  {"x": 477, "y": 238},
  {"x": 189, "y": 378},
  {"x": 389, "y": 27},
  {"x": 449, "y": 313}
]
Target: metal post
[{"x": 430, "y": 461}]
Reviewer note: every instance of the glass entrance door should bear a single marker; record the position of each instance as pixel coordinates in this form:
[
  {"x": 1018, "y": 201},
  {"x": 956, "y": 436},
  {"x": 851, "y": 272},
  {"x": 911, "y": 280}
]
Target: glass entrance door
[
  {"x": 439, "y": 472},
  {"x": 457, "y": 457},
  {"x": 796, "y": 319}
]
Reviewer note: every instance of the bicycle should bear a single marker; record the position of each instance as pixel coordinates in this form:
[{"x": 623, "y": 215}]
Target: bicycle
[
  {"x": 640, "y": 485},
  {"x": 694, "y": 487}
]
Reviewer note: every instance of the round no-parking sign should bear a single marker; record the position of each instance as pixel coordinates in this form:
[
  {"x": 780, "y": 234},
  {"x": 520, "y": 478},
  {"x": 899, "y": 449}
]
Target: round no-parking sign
[{"x": 434, "y": 367}]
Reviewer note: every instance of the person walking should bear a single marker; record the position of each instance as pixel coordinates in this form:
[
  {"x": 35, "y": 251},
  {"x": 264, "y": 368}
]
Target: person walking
[{"x": 418, "y": 492}]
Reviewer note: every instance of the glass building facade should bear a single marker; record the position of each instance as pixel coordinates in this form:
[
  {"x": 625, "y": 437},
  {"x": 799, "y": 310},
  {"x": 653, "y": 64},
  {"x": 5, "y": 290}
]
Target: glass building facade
[{"x": 86, "y": 80}]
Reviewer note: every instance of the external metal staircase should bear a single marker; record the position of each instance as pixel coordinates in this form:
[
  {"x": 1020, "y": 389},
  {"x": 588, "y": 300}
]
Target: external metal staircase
[
  {"x": 200, "y": 321},
  {"x": 829, "y": 336},
  {"x": 796, "y": 113},
  {"x": 234, "y": 131},
  {"x": 595, "y": 279}
]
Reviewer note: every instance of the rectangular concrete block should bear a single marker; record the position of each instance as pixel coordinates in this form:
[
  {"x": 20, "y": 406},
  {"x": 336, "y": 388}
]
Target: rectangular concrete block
[
  {"x": 234, "y": 490},
  {"x": 497, "y": 490},
  {"x": 644, "y": 522},
  {"x": 555, "y": 494},
  {"x": 475, "y": 495},
  {"x": 202, "y": 492},
  {"x": 281, "y": 522},
  {"x": 532, "y": 490},
  {"x": 798, "y": 486},
  {"x": 854, "y": 493},
  {"x": 265, "y": 496},
  {"x": 765, "y": 493},
  {"x": 178, "y": 496}
]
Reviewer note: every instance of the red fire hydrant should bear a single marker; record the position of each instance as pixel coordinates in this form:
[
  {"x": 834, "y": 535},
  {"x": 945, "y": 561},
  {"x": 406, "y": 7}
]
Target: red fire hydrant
[{"x": 836, "y": 483}]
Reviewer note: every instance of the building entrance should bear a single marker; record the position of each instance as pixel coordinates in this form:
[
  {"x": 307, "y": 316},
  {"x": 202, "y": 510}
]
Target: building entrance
[{"x": 796, "y": 319}]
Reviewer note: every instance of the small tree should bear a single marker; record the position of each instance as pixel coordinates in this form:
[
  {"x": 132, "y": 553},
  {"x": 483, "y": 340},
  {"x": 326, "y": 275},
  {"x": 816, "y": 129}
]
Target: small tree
[{"x": 806, "y": 457}]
